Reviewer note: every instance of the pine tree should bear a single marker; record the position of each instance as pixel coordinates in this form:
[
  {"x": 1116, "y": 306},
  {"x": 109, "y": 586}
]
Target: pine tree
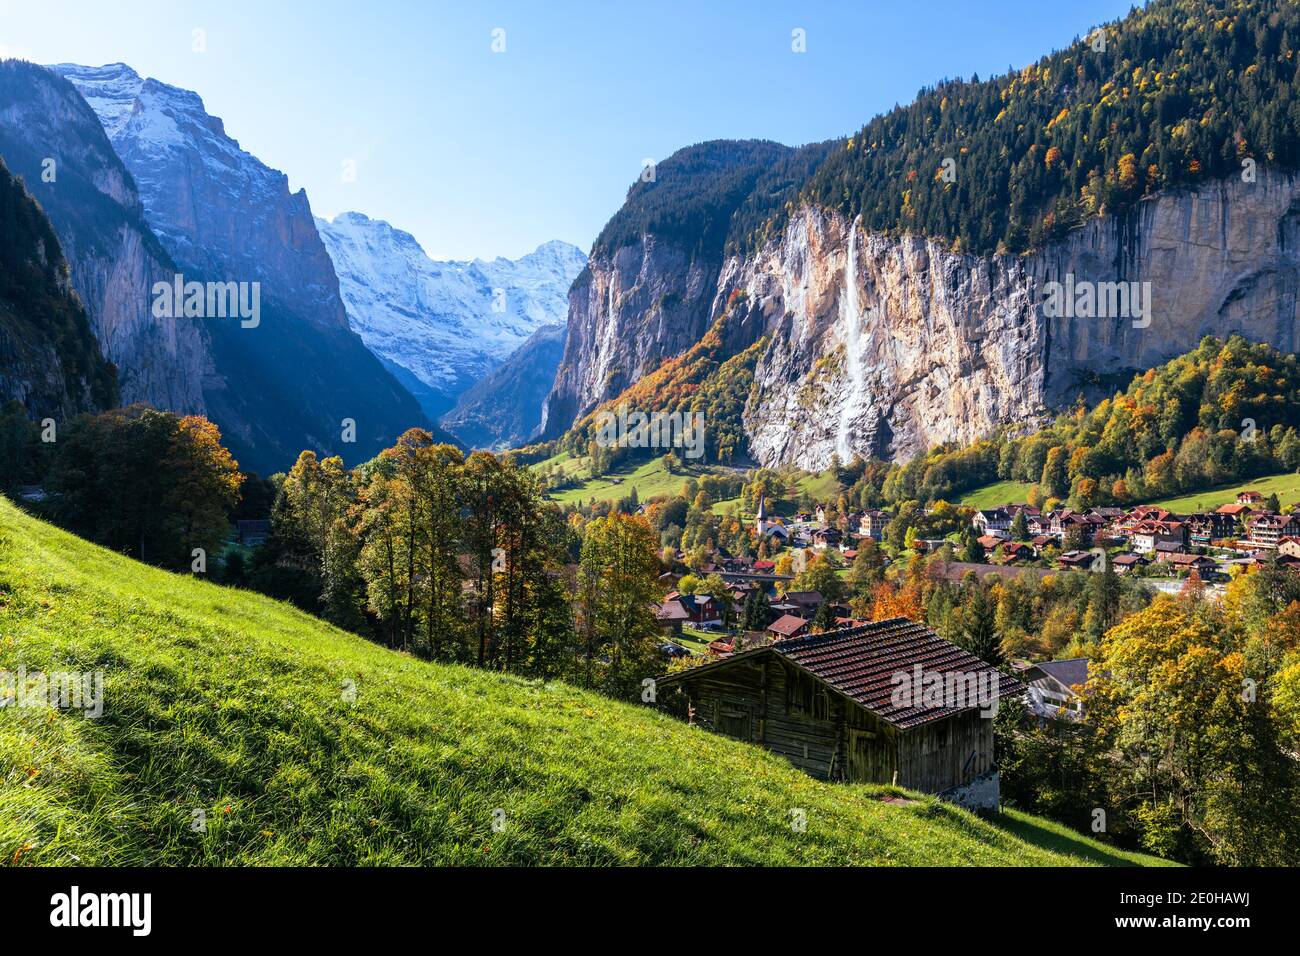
[{"x": 980, "y": 635}]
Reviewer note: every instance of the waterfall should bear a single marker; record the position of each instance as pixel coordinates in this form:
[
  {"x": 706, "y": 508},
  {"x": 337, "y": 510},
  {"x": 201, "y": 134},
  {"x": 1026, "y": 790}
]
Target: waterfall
[{"x": 851, "y": 315}]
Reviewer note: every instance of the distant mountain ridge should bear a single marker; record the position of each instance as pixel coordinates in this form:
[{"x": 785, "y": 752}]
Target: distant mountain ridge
[
  {"x": 448, "y": 324},
  {"x": 294, "y": 381}
]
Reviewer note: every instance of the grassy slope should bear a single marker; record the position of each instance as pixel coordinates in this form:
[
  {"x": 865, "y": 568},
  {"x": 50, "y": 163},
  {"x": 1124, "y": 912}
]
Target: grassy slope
[
  {"x": 649, "y": 479},
  {"x": 232, "y": 703},
  {"x": 1286, "y": 486},
  {"x": 998, "y": 493}
]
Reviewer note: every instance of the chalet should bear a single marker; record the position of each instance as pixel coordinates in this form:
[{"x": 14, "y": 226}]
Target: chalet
[
  {"x": 1076, "y": 560},
  {"x": 842, "y": 706},
  {"x": 826, "y": 538},
  {"x": 1149, "y": 533},
  {"x": 700, "y": 608},
  {"x": 1056, "y": 688},
  {"x": 989, "y": 541},
  {"x": 995, "y": 522},
  {"x": 1165, "y": 549},
  {"x": 1191, "y": 562},
  {"x": 1214, "y": 526},
  {"x": 1234, "y": 511},
  {"x": 788, "y": 626},
  {"x": 1289, "y": 547},
  {"x": 872, "y": 524},
  {"x": 671, "y": 615},
  {"x": 253, "y": 533},
  {"x": 805, "y": 603},
  {"x": 1249, "y": 498},
  {"x": 1017, "y": 551},
  {"x": 1267, "y": 530},
  {"x": 1123, "y": 563}
]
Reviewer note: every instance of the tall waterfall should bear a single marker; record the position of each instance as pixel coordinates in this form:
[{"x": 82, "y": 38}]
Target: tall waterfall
[{"x": 851, "y": 316}]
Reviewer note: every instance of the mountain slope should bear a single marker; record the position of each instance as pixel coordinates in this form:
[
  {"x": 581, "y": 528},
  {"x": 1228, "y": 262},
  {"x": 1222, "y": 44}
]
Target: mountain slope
[
  {"x": 447, "y": 323},
  {"x": 903, "y": 309},
  {"x": 504, "y": 409},
  {"x": 222, "y": 215},
  {"x": 229, "y": 737},
  {"x": 649, "y": 289},
  {"x": 49, "y": 359},
  {"x": 50, "y": 137}
]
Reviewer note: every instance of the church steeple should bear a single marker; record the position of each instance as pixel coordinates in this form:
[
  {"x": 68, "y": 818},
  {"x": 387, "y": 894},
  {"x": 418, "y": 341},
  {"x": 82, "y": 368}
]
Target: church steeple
[{"x": 760, "y": 519}]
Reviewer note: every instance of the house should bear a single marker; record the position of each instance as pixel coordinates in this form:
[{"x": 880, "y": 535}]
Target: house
[
  {"x": 872, "y": 524},
  {"x": 1017, "y": 551},
  {"x": 1150, "y": 533},
  {"x": 700, "y": 608},
  {"x": 1124, "y": 563},
  {"x": 788, "y": 626},
  {"x": 1191, "y": 562},
  {"x": 1267, "y": 530},
  {"x": 1077, "y": 560},
  {"x": 253, "y": 533},
  {"x": 1165, "y": 549},
  {"x": 842, "y": 706},
  {"x": 994, "y": 521},
  {"x": 826, "y": 538},
  {"x": 1234, "y": 511},
  {"x": 1289, "y": 547},
  {"x": 671, "y": 615},
  {"x": 1249, "y": 497},
  {"x": 1056, "y": 688},
  {"x": 989, "y": 541},
  {"x": 805, "y": 603},
  {"x": 766, "y": 526},
  {"x": 1202, "y": 529}
]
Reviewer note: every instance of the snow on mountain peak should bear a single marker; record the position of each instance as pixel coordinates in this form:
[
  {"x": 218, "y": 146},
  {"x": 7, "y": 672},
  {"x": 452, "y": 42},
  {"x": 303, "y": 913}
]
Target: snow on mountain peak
[{"x": 449, "y": 323}]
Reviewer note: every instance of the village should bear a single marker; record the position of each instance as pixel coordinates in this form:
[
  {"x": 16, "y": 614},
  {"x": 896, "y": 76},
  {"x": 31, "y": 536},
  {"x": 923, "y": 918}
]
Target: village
[{"x": 1168, "y": 552}]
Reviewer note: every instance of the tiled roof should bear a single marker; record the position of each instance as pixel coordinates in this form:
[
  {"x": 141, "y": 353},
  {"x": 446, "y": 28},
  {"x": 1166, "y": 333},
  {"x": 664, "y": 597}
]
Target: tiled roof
[
  {"x": 787, "y": 624},
  {"x": 860, "y": 663}
]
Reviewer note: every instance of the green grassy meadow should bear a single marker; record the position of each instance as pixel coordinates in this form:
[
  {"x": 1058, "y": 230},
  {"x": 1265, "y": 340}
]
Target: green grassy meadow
[{"x": 239, "y": 731}]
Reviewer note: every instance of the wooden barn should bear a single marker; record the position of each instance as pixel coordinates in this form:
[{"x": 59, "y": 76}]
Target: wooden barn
[{"x": 829, "y": 703}]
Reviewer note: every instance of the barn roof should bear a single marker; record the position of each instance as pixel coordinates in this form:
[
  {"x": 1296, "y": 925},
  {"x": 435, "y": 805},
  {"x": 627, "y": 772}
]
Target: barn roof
[{"x": 860, "y": 663}]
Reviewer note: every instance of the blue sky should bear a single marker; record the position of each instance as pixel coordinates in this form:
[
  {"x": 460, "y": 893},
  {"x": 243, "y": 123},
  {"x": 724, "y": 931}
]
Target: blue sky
[{"x": 480, "y": 153}]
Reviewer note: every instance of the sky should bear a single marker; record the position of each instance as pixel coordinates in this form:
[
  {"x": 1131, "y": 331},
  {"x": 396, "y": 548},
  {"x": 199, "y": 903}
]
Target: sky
[{"x": 403, "y": 109}]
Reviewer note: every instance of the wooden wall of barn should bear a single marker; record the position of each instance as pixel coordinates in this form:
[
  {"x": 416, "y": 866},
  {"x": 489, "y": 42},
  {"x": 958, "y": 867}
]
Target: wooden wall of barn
[
  {"x": 847, "y": 743},
  {"x": 945, "y": 753}
]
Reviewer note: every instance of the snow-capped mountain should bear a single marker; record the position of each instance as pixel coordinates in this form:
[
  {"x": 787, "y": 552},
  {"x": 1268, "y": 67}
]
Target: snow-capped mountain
[
  {"x": 449, "y": 324},
  {"x": 223, "y": 215}
]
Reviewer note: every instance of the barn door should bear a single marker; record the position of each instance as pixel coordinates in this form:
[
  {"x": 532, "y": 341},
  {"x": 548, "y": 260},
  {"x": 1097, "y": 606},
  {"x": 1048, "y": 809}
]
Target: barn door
[
  {"x": 870, "y": 758},
  {"x": 733, "y": 720}
]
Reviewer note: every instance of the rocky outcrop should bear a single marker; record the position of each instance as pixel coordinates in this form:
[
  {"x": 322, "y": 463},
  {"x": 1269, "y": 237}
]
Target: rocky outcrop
[
  {"x": 887, "y": 346},
  {"x": 907, "y": 345},
  {"x": 628, "y": 311},
  {"x": 50, "y": 137}
]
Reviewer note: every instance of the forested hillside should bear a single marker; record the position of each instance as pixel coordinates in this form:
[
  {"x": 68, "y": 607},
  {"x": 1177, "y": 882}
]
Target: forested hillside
[
  {"x": 49, "y": 360},
  {"x": 1177, "y": 93}
]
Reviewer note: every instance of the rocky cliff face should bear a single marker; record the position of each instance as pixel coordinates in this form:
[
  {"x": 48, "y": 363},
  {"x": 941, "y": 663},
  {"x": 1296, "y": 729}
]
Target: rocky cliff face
[
  {"x": 291, "y": 381},
  {"x": 52, "y": 138},
  {"x": 50, "y": 362},
  {"x": 627, "y": 313},
  {"x": 887, "y": 346}
]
